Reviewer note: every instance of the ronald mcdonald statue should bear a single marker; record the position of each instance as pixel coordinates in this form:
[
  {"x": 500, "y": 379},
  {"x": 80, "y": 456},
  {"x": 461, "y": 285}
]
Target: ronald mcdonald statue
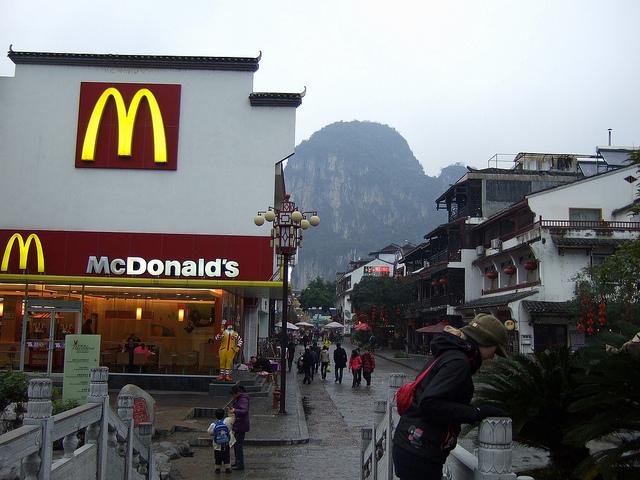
[{"x": 229, "y": 346}]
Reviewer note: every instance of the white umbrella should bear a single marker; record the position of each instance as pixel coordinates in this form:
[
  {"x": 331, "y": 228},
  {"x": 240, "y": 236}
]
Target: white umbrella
[
  {"x": 290, "y": 326},
  {"x": 304, "y": 324},
  {"x": 333, "y": 325}
]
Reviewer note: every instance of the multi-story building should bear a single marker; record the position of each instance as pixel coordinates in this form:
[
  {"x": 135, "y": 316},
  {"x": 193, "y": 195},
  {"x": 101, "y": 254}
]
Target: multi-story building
[
  {"x": 380, "y": 264},
  {"x": 492, "y": 203}
]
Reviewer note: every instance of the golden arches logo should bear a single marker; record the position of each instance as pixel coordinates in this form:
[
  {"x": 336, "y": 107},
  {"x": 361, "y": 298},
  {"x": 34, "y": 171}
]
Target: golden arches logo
[
  {"x": 126, "y": 122},
  {"x": 23, "y": 250}
]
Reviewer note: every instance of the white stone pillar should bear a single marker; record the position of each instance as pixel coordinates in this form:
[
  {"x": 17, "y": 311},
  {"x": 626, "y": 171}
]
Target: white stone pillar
[
  {"x": 494, "y": 449},
  {"x": 38, "y": 464}
]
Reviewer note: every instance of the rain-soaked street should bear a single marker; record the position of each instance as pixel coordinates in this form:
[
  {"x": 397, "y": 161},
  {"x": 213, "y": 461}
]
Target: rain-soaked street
[{"x": 335, "y": 414}]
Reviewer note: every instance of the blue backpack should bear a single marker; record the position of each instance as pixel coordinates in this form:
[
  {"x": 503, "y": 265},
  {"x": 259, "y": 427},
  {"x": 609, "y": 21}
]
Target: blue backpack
[{"x": 221, "y": 434}]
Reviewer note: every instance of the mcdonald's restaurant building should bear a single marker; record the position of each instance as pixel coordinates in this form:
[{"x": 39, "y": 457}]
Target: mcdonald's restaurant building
[{"x": 128, "y": 190}]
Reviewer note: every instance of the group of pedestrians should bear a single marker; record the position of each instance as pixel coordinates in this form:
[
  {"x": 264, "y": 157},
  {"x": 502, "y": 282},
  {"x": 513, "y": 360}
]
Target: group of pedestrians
[
  {"x": 362, "y": 365},
  {"x": 229, "y": 430},
  {"x": 314, "y": 358}
]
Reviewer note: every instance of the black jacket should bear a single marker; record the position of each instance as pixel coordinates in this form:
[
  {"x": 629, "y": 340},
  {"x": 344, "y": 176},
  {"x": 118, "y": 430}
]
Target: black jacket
[
  {"x": 340, "y": 357},
  {"x": 308, "y": 358},
  {"x": 430, "y": 427}
]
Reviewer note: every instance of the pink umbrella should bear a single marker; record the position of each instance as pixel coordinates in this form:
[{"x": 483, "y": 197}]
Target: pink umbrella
[
  {"x": 437, "y": 328},
  {"x": 362, "y": 326}
]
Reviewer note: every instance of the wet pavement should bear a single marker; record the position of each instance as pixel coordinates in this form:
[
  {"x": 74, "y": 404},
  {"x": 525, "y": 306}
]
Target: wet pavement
[
  {"x": 328, "y": 427},
  {"x": 334, "y": 414}
]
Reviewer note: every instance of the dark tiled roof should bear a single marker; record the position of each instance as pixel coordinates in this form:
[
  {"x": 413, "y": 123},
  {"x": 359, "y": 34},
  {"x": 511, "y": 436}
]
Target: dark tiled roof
[
  {"x": 267, "y": 99},
  {"x": 547, "y": 308},
  {"x": 496, "y": 301},
  {"x": 571, "y": 242},
  {"x": 243, "y": 64}
]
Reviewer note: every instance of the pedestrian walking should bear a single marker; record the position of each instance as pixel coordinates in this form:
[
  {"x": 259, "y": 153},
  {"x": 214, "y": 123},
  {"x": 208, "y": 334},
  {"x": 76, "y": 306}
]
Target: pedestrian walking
[
  {"x": 221, "y": 432},
  {"x": 428, "y": 429},
  {"x": 316, "y": 357},
  {"x": 339, "y": 361},
  {"x": 355, "y": 365},
  {"x": 368, "y": 365},
  {"x": 239, "y": 408},
  {"x": 324, "y": 361},
  {"x": 307, "y": 365},
  {"x": 291, "y": 353}
]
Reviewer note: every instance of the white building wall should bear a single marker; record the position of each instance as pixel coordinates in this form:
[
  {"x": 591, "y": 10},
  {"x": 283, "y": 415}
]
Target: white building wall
[
  {"x": 226, "y": 156},
  {"x": 608, "y": 192}
]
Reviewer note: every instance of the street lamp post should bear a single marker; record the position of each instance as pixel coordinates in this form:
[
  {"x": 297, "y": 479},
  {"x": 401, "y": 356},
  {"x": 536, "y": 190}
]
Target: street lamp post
[{"x": 286, "y": 237}]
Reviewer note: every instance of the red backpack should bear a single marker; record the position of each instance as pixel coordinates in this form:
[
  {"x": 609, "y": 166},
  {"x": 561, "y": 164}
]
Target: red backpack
[{"x": 404, "y": 395}]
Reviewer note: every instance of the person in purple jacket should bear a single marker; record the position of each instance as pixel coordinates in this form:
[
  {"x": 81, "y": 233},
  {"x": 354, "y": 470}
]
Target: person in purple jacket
[{"x": 240, "y": 408}]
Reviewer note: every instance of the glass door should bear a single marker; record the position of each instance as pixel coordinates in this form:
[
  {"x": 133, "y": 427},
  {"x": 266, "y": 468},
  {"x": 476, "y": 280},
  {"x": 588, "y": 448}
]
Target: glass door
[{"x": 47, "y": 322}]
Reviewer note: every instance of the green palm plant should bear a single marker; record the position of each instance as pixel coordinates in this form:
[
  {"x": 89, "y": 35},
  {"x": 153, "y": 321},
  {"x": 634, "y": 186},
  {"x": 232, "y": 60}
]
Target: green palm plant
[
  {"x": 609, "y": 395},
  {"x": 537, "y": 392}
]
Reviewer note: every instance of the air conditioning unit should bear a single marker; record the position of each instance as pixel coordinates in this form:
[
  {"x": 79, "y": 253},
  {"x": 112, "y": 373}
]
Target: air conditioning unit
[
  {"x": 480, "y": 250},
  {"x": 496, "y": 244}
]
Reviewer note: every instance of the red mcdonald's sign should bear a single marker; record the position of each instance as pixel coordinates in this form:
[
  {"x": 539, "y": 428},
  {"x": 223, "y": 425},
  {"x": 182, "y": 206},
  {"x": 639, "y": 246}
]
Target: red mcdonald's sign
[{"x": 128, "y": 125}]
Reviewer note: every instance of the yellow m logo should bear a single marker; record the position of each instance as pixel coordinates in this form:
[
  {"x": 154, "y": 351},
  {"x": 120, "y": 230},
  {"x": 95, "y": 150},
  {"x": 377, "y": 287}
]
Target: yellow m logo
[
  {"x": 23, "y": 248},
  {"x": 126, "y": 122}
]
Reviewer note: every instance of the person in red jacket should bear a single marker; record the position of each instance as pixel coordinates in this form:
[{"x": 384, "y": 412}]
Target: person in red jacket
[
  {"x": 368, "y": 365},
  {"x": 355, "y": 365}
]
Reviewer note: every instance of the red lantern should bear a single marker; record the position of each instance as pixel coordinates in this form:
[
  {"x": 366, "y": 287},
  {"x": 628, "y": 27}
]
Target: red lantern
[
  {"x": 443, "y": 281},
  {"x": 492, "y": 274},
  {"x": 602, "y": 316},
  {"x": 509, "y": 269},
  {"x": 531, "y": 265}
]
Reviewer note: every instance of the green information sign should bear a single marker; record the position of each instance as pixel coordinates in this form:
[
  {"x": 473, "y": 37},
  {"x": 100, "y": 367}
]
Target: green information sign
[{"x": 81, "y": 354}]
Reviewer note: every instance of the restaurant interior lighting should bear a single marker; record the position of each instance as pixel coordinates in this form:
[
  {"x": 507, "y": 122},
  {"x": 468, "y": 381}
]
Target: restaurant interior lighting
[
  {"x": 139, "y": 313},
  {"x": 1, "y": 307},
  {"x": 181, "y": 314}
]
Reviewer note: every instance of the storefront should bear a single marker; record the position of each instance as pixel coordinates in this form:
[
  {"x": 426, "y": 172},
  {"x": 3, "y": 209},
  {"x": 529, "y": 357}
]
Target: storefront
[{"x": 127, "y": 195}]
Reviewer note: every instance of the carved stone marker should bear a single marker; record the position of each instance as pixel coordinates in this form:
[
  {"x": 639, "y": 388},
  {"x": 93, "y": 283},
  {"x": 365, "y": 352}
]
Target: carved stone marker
[{"x": 144, "y": 405}]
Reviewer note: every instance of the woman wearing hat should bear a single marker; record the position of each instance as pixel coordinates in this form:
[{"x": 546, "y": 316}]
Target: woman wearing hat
[{"x": 428, "y": 430}]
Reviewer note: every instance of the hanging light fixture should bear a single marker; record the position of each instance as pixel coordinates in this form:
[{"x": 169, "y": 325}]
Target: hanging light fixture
[
  {"x": 1, "y": 307},
  {"x": 181, "y": 314},
  {"x": 139, "y": 313}
]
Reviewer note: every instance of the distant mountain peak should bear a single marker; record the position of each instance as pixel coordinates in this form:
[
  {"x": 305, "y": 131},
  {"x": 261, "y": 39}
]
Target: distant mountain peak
[{"x": 369, "y": 190}]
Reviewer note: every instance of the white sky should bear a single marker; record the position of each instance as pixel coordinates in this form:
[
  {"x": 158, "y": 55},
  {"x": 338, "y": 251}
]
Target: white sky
[{"x": 460, "y": 80}]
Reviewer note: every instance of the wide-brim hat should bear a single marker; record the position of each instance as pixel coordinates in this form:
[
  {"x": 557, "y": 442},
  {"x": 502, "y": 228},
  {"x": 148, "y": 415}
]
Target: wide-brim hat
[{"x": 487, "y": 331}]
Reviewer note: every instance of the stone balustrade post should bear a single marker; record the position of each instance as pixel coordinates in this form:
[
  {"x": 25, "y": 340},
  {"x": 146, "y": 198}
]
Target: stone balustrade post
[
  {"x": 38, "y": 464},
  {"x": 125, "y": 412},
  {"x": 99, "y": 432},
  {"x": 380, "y": 410},
  {"x": 366, "y": 435},
  {"x": 396, "y": 380},
  {"x": 494, "y": 449}
]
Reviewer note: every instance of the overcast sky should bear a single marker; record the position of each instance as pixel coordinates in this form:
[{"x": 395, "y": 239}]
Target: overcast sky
[{"x": 460, "y": 80}]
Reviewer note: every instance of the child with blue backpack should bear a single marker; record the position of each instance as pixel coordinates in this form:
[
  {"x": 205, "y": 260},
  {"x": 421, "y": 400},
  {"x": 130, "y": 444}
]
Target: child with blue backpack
[{"x": 221, "y": 432}]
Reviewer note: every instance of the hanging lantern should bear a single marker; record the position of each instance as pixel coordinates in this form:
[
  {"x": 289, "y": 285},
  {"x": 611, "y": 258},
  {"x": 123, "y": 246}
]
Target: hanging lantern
[
  {"x": 491, "y": 274},
  {"x": 443, "y": 281},
  {"x": 509, "y": 270},
  {"x": 530, "y": 265},
  {"x": 602, "y": 315}
]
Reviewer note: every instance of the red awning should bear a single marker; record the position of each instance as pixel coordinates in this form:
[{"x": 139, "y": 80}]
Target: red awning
[{"x": 437, "y": 328}]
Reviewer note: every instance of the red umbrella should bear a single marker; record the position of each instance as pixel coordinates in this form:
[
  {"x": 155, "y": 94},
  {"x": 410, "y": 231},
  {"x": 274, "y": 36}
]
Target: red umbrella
[
  {"x": 437, "y": 328},
  {"x": 362, "y": 326}
]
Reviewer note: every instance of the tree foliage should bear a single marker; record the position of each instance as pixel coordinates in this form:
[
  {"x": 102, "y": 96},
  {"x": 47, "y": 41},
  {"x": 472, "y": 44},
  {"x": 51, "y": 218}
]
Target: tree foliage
[
  {"x": 319, "y": 293},
  {"x": 386, "y": 293}
]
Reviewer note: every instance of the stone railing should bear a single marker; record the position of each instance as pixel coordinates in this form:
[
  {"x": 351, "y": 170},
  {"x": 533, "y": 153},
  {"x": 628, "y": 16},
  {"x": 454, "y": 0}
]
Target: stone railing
[
  {"x": 493, "y": 460},
  {"x": 110, "y": 448}
]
